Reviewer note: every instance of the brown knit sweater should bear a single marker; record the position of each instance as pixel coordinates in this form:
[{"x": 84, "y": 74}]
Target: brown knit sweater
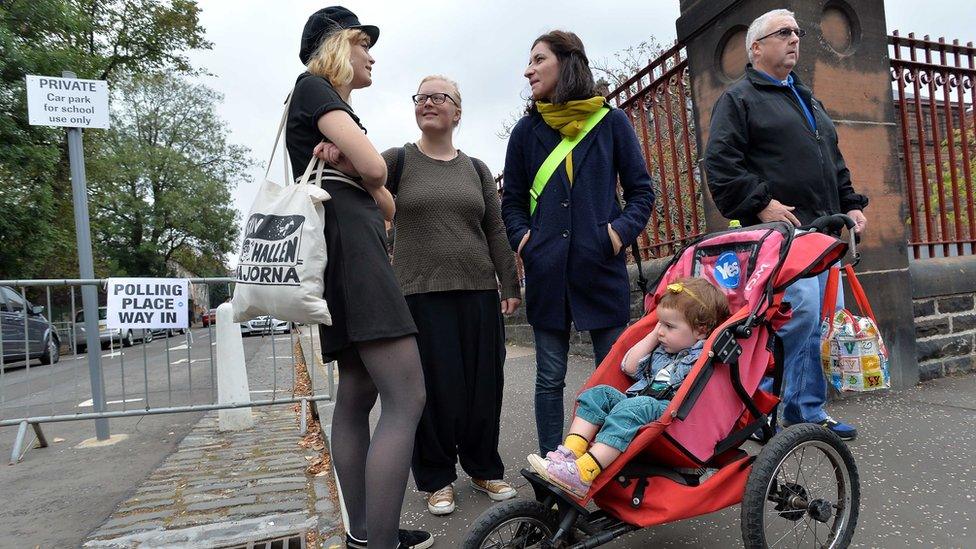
[{"x": 449, "y": 231}]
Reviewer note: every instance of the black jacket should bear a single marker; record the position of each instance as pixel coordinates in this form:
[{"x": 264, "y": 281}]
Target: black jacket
[{"x": 760, "y": 147}]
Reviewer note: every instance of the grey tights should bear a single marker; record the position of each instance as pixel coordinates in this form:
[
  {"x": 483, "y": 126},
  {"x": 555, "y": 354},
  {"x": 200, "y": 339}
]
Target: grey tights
[{"x": 373, "y": 472}]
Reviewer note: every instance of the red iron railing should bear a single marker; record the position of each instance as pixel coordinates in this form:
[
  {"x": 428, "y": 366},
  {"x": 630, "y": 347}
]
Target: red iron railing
[
  {"x": 658, "y": 101},
  {"x": 934, "y": 96}
]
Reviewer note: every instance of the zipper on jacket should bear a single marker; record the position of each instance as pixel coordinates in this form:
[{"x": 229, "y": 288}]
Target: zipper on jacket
[
  {"x": 820, "y": 151},
  {"x": 823, "y": 174},
  {"x": 799, "y": 109}
]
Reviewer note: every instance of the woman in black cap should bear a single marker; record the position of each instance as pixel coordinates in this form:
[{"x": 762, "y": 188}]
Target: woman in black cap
[{"x": 373, "y": 335}]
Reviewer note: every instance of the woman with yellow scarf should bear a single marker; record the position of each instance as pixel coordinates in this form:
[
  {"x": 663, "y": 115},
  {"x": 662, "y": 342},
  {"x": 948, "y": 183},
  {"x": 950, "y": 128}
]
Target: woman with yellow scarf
[{"x": 562, "y": 215}]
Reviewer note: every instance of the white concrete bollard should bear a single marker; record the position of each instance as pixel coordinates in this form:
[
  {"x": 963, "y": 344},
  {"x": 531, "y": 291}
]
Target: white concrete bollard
[{"x": 232, "y": 384}]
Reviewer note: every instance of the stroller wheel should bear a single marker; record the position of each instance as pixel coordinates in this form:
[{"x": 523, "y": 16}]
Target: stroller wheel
[
  {"x": 514, "y": 523},
  {"x": 803, "y": 491}
]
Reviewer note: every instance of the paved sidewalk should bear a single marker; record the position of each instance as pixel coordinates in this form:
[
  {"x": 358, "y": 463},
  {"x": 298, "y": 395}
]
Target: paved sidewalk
[
  {"x": 226, "y": 489},
  {"x": 914, "y": 454},
  {"x": 223, "y": 488}
]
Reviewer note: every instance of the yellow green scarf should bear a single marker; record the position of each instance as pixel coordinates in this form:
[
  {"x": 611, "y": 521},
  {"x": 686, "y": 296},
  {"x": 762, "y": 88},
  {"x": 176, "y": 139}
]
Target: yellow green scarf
[{"x": 568, "y": 119}]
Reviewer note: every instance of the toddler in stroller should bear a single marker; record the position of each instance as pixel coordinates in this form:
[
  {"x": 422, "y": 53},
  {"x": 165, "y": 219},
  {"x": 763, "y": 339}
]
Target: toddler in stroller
[
  {"x": 798, "y": 486},
  {"x": 608, "y": 418}
]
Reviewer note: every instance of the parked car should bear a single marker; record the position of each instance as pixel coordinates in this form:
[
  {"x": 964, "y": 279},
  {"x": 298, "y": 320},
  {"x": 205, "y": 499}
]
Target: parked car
[
  {"x": 209, "y": 317},
  {"x": 266, "y": 325},
  {"x": 42, "y": 340},
  {"x": 126, "y": 337}
]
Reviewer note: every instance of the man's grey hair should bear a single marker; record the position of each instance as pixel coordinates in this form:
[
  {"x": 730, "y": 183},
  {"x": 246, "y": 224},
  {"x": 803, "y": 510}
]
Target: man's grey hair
[{"x": 758, "y": 27}]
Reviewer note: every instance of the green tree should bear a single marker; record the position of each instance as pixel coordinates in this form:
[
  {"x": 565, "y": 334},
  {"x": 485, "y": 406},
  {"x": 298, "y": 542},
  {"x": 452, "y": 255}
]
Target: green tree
[
  {"x": 954, "y": 189},
  {"x": 102, "y": 39},
  {"x": 162, "y": 177}
]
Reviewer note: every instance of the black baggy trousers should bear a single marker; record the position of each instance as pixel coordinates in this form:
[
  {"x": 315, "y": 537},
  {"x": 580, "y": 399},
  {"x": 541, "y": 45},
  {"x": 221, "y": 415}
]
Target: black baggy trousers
[{"x": 461, "y": 337}]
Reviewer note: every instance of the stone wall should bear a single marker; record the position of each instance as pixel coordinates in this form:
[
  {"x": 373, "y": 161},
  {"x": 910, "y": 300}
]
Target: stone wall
[
  {"x": 944, "y": 297},
  {"x": 945, "y": 328}
]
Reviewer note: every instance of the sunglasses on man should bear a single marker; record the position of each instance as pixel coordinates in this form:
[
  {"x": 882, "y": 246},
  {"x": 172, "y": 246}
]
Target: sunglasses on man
[
  {"x": 784, "y": 33},
  {"x": 435, "y": 98}
]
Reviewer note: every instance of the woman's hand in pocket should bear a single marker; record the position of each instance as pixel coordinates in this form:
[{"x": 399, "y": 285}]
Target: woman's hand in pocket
[
  {"x": 615, "y": 240},
  {"x": 525, "y": 238}
]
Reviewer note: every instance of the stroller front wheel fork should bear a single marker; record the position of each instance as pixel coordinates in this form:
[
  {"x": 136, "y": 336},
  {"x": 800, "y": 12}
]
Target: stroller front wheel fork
[{"x": 565, "y": 524}]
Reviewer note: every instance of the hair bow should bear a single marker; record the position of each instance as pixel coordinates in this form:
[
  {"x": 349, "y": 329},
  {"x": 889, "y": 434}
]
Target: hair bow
[{"x": 677, "y": 288}]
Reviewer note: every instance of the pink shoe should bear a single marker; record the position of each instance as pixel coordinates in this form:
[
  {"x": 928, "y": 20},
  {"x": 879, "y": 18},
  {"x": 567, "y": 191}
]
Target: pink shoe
[
  {"x": 541, "y": 464},
  {"x": 565, "y": 475},
  {"x": 561, "y": 453}
]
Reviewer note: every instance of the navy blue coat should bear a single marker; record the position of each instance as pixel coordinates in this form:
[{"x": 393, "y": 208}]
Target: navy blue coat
[{"x": 571, "y": 273}]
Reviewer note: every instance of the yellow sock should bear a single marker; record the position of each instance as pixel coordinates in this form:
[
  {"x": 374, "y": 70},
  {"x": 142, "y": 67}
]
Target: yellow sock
[
  {"x": 588, "y": 467},
  {"x": 577, "y": 444}
]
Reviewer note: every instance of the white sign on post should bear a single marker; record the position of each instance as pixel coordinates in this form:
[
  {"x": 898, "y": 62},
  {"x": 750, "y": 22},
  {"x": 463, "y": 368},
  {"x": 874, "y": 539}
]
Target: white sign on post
[
  {"x": 148, "y": 302},
  {"x": 67, "y": 102}
]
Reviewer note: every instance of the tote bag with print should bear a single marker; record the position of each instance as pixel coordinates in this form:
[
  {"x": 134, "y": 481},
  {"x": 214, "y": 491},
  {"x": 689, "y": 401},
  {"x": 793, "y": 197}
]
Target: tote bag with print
[
  {"x": 853, "y": 355},
  {"x": 281, "y": 264}
]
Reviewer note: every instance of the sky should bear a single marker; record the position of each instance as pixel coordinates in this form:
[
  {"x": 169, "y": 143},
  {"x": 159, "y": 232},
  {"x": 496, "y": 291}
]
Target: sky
[{"x": 483, "y": 45}]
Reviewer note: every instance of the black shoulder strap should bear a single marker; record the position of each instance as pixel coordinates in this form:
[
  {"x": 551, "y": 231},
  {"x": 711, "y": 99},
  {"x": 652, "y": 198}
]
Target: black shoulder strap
[
  {"x": 635, "y": 251},
  {"x": 397, "y": 171},
  {"x": 641, "y": 279},
  {"x": 474, "y": 162}
]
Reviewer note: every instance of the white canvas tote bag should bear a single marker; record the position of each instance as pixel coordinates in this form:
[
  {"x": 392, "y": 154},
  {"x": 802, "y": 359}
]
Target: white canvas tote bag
[{"x": 281, "y": 265}]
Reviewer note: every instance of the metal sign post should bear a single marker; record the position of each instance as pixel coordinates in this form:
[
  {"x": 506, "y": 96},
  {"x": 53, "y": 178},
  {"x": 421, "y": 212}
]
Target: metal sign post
[{"x": 86, "y": 265}]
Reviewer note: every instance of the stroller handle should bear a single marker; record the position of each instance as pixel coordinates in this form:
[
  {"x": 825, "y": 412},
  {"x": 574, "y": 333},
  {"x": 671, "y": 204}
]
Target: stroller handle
[{"x": 832, "y": 225}]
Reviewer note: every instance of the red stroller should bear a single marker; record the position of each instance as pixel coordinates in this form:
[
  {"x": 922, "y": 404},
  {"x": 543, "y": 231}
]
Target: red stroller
[{"x": 802, "y": 488}]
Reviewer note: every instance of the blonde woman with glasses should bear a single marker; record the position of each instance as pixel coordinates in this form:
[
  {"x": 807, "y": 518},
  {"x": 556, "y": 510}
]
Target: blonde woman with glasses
[{"x": 454, "y": 266}]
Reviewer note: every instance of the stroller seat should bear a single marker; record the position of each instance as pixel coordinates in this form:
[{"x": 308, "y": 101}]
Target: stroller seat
[{"x": 719, "y": 404}]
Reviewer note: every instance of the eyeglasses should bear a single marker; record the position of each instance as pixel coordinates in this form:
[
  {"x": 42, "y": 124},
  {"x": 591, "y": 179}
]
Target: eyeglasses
[
  {"x": 784, "y": 33},
  {"x": 435, "y": 98}
]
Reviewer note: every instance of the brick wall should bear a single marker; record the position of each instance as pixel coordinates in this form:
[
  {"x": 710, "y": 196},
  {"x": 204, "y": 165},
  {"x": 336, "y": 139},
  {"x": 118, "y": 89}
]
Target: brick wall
[{"x": 945, "y": 328}]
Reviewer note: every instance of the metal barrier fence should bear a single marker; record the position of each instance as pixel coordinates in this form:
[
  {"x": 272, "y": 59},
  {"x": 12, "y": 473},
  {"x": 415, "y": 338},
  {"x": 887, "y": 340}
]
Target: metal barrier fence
[
  {"x": 658, "y": 101},
  {"x": 142, "y": 372},
  {"x": 934, "y": 96}
]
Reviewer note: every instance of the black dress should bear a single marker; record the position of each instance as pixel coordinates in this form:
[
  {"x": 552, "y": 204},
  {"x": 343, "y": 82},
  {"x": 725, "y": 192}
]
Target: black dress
[{"x": 362, "y": 292}]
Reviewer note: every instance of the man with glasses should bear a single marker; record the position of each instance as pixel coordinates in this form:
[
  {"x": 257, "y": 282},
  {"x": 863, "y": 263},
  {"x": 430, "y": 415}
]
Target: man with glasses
[{"x": 772, "y": 155}]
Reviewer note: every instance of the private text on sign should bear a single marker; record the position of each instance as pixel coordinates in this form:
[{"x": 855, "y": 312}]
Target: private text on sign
[{"x": 67, "y": 102}]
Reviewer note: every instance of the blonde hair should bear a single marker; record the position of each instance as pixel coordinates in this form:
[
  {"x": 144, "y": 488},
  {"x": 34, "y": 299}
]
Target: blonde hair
[
  {"x": 456, "y": 96},
  {"x": 702, "y": 304},
  {"x": 331, "y": 59}
]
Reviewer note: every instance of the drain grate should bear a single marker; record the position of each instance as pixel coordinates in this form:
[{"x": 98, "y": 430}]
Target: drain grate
[{"x": 289, "y": 541}]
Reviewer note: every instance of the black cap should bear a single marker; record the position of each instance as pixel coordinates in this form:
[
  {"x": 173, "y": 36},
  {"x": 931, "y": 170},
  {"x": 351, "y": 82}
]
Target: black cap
[{"x": 327, "y": 21}]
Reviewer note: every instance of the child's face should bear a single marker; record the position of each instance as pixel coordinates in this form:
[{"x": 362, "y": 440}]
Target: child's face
[{"x": 673, "y": 331}]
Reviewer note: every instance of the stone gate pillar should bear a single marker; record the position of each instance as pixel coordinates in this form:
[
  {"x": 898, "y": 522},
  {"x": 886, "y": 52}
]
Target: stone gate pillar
[{"x": 844, "y": 59}]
